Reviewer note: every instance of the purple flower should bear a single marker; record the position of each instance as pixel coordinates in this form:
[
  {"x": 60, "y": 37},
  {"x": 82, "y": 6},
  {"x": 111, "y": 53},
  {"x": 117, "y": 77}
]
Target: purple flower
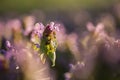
[
  {"x": 8, "y": 44},
  {"x": 37, "y": 33}
]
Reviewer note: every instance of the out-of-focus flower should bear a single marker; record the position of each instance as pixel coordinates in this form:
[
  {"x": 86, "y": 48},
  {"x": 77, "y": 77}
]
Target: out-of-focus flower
[
  {"x": 36, "y": 35},
  {"x": 24, "y": 59},
  {"x": 76, "y": 71},
  {"x": 16, "y": 27},
  {"x": 28, "y": 24},
  {"x": 90, "y": 27},
  {"x": 8, "y": 44},
  {"x": 97, "y": 36},
  {"x": 92, "y": 43},
  {"x": 109, "y": 24},
  {"x": 62, "y": 37},
  {"x": 112, "y": 50},
  {"x": 31, "y": 66},
  {"x": 72, "y": 42},
  {"x": 117, "y": 43}
]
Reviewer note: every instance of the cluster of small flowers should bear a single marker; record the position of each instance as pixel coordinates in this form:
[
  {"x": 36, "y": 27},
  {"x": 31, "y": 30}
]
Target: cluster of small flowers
[
  {"x": 44, "y": 40},
  {"x": 30, "y": 38},
  {"x": 98, "y": 42},
  {"x": 18, "y": 45}
]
